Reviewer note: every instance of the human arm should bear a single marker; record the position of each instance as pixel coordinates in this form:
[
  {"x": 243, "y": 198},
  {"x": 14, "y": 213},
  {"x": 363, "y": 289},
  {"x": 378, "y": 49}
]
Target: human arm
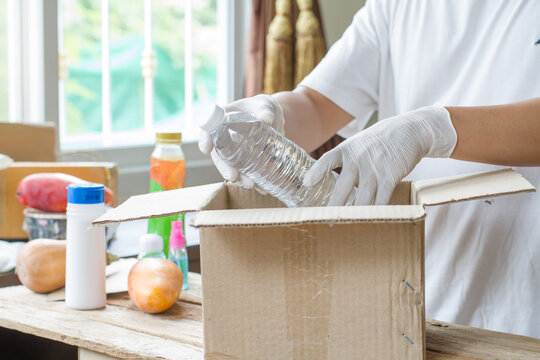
[
  {"x": 310, "y": 118},
  {"x": 502, "y": 135},
  {"x": 377, "y": 158},
  {"x": 305, "y": 116},
  {"x": 348, "y": 74}
]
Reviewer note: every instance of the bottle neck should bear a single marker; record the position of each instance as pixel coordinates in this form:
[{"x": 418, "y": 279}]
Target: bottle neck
[
  {"x": 85, "y": 209},
  {"x": 177, "y": 251},
  {"x": 168, "y": 145},
  {"x": 168, "y": 151},
  {"x": 162, "y": 142}
]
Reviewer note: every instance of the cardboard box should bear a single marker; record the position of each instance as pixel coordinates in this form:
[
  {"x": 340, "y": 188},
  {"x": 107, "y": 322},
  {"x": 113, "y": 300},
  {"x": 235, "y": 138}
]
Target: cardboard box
[
  {"x": 11, "y": 211},
  {"x": 28, "y": 142},
  {"x": 313, "y": 283}
]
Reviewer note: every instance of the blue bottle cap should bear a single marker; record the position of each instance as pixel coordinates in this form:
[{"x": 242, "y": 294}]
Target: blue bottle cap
[{"x": 87, "y": 193}]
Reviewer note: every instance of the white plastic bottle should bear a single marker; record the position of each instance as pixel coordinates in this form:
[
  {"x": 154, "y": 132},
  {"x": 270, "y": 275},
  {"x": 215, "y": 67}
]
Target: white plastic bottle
[
  {"x": 151, "y": 246},
  {"x": 272, "y": 161},
  {"x": 85, "y": 252}
]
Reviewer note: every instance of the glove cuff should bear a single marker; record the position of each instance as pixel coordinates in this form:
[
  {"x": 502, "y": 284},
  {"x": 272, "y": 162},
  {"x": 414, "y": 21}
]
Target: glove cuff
[
  {"x": 281, "y": 114},
  {"x": 444, "y": 136}
]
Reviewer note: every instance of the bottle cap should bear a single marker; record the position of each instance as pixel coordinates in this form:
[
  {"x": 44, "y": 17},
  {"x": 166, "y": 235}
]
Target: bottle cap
[
  {"x": 211, "y": 117},
  {"x": 177, "y": 240},
  {"x": 168, "y": 137},
  {"x": 85, "y": 193},
  {"x": 149, "y": 243}
]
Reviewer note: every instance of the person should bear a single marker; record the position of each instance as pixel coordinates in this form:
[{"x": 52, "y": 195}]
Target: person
[
  {"x": 379, "y": 157},
  {"x": 482, "y": 257}
]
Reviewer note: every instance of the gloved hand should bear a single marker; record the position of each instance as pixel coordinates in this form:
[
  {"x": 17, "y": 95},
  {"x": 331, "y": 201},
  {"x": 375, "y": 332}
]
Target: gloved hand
[
  {"x": 266, "y": 109},
  {"x": 376, "y": 159}
]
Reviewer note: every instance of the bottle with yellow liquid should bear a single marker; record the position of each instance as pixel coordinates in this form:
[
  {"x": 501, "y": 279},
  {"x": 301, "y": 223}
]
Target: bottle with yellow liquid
[{"x": 167, "y": 172}]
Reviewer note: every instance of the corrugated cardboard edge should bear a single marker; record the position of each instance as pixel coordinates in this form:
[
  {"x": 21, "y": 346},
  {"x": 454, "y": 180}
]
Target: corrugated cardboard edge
[
  {"x": 452, "y": 189},
  {"x": 312, "y": 215},
  {"x": 162, "y": 203}
]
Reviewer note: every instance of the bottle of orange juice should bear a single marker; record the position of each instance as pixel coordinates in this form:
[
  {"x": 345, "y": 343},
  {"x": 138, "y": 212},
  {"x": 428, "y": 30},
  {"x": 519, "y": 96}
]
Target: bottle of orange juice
[{"x": 167, "y": 172}]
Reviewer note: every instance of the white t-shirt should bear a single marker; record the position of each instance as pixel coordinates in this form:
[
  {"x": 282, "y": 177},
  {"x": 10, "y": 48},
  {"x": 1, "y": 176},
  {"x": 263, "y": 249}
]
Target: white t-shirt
[{"x": 482, "y": 257}]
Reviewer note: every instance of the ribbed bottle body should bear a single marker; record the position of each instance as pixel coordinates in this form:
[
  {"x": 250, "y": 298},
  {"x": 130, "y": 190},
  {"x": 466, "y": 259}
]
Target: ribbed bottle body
[{"x": 272, "y": 161}]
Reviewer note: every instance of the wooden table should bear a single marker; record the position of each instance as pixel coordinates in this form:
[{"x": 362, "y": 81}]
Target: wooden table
[{"x": 122, "y": 331}]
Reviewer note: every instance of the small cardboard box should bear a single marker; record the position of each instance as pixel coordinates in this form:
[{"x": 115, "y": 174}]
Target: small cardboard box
[
  {"x": 313, "y": 283},
  {"x": 28, "y": 142},
  {"x": 11, "y": 211}
]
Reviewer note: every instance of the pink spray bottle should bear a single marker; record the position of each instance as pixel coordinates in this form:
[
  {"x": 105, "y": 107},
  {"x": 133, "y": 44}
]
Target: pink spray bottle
[{"x": 177, "y": 250}]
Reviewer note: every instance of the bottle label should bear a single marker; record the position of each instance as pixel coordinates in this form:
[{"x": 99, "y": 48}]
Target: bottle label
[{"x": 167, "y": 175}]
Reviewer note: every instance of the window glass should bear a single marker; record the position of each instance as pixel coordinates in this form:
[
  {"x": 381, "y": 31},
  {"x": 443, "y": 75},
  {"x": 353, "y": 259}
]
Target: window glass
[
  {"x": 126, "y": 47},
  {"x": 82, "y": 44},
  {"x": 205, "y": 48},
  {"x": 168, "y": 42},
  {"x": 83, "y": 85}
]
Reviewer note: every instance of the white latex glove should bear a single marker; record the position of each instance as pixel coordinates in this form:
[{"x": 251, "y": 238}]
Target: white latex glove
[
  {"x": 376, "y": 159},
  {"x": 266, "y": 109}
]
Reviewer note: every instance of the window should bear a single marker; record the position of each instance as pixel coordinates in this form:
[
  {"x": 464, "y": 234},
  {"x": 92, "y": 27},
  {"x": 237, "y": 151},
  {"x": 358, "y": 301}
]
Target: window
[
  {"x": 48, "y": 40},
  {"x": 130, "y": 68},
  {"x": 100, "y": 50}
]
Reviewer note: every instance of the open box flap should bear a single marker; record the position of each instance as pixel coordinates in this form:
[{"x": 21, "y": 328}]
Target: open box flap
[
  {"x": 467, "y": 187},
  {"x": 309, "y": 215},
  {"x": 423, "y": 192},
  {"x": 162, "y": 203}
]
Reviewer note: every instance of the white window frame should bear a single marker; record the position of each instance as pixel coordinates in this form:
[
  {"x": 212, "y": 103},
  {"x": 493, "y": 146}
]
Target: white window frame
[
  {"x": 32, "y": 61},
  {"x": 36, "y": 94}
]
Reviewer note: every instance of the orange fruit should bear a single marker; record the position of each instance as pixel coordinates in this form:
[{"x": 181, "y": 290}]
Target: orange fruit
[{"x": 154, "y": 284}]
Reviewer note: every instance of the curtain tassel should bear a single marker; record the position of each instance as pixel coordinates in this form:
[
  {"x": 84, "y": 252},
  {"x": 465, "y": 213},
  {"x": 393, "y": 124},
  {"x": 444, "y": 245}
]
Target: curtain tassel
[
  {"x": 278, "y": 67},
  {"x": 310, "y": 45}
]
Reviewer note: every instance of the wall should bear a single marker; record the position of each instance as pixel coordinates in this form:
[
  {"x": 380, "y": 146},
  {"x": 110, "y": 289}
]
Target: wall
[{"x": 336, "y": 17}]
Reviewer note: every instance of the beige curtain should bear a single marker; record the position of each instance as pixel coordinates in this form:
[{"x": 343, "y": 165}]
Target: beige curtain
[
  {"x": 262, "y": 14},
  {"x": 263, "y": 11}
]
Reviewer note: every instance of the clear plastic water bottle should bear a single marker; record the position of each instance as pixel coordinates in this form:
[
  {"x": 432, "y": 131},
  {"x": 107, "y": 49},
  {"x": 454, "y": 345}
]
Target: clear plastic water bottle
[
  {"x": 177, "y": 250},
  {"x": 272, "y": 161},
  {"x": 151, "y": 246}
]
